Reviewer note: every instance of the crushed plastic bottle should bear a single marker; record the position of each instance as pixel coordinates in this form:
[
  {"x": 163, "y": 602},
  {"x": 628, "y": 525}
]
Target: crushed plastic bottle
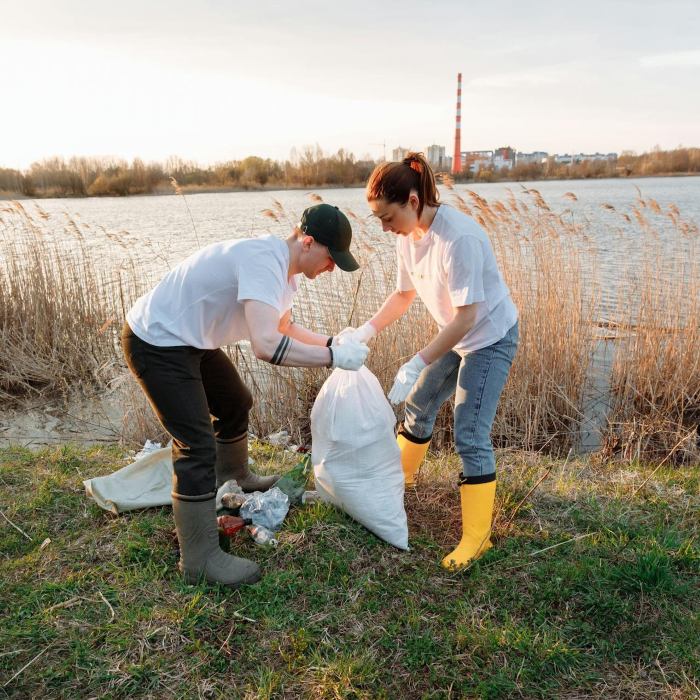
[
  {"x": 293, "y": 483},
  {"x": 261, "y": 535},
  {"x": 267, "y": 509}
]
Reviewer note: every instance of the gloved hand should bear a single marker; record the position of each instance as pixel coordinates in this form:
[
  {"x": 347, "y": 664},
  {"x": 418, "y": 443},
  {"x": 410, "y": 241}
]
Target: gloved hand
[
  {"x": 350, "y": 355},
  {"x": 363, "y": 334},
  {"x": 406, "y": 377},
  {"x": 343, "y": 336}
]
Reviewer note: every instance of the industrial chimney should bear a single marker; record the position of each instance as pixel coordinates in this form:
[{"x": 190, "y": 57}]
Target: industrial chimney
[{"x": 457, "y": 157}]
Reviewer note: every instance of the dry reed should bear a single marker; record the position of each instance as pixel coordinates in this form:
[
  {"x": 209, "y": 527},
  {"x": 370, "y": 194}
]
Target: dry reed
[{"x": 62, "y": 303}]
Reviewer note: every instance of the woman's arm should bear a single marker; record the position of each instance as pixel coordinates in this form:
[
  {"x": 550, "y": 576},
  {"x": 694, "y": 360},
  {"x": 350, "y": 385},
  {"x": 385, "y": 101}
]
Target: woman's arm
[
  {"x": 451, "y": 334},
  {"x": 393, "y": 308}
]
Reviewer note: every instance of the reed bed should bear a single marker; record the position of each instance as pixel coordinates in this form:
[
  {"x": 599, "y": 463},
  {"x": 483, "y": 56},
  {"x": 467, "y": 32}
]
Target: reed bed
[{"x": 62, "y": 303}]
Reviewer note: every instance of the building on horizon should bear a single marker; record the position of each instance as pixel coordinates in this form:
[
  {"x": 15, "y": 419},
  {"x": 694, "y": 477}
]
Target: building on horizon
[
  {"x": 435, "y": 155},
  {"x": 474, "y": 161},
  {"x": 568, "y": 158},
  {"x": 399, "y": 153},
  {"x": 534, "y": 157},
  {"x": 503, "y": 157}
]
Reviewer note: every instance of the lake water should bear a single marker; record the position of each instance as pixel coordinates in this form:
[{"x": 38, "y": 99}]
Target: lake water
[{"x": 166, "y": 220}]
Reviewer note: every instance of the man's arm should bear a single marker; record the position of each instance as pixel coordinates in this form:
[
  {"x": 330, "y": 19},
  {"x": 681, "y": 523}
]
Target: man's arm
[
  {"x": 270, "y": 345},
  {"x": 293, "y": 330}
]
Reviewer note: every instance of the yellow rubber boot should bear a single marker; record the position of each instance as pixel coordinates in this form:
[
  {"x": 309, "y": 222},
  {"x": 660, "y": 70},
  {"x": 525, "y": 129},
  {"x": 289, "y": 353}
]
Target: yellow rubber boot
[
  {"x": 412, "y": 454},
  {"x": 477, "y": 515}
]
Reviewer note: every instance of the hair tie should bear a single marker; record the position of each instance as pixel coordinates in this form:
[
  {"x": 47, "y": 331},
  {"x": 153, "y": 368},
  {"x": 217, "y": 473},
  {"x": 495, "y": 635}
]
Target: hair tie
[{"x": 414, "y": 165}]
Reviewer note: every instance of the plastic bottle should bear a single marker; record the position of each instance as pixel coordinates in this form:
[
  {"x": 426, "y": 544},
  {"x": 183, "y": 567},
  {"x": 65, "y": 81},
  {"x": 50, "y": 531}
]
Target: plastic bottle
[{"x": 261, "y": 535}]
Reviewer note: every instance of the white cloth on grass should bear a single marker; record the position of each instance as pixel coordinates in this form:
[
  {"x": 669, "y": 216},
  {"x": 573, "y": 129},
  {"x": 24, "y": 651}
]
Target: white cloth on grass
[{"x": 145, "y": 483}]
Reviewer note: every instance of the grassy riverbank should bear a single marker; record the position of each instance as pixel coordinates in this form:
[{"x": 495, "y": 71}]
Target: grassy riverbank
[{"x": 590, "y": 591}]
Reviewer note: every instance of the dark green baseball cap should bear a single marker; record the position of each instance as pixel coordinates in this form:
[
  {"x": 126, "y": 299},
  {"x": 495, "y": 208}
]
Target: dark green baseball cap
[{"x": 328, "y": 226}]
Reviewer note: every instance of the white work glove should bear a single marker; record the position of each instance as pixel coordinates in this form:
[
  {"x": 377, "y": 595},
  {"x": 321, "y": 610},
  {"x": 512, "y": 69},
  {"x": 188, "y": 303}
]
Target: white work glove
[
  {"x": 342, "y": 337},
  {"x": 363, "y": 334},
  {"x": 406, "y": 377},
  {"x": 349, "y": 355}
]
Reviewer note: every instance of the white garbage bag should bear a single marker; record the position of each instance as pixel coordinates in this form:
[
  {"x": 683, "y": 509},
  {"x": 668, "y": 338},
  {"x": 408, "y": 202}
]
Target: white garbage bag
[{"x": 357, "y": 463}]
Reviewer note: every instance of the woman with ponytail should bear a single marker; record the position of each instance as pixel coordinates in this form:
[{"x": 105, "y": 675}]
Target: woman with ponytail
[{"x": 446, "y": 258}]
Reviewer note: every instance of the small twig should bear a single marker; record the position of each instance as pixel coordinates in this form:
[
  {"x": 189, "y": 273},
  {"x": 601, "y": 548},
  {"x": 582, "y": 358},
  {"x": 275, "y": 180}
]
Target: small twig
[
  {"x": 27, "y": 665},
  {"x": 19, "y": 529},
  {"x": 243, "y": 617},
  {"x": 65, "y": 604},
  {"x": 559, "y": 544},
  {"x": 107, "y": 603},
  {"x": 539, "y": 551},
  {"x": 11, "y": 653}
]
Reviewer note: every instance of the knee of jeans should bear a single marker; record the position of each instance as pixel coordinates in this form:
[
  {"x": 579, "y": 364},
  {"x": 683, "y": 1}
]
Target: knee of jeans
[{"x": 473, "y": 443}]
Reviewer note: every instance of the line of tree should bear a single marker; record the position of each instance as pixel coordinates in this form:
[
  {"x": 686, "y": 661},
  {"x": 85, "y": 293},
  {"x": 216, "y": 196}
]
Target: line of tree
[
  {"x": 94, "y": 177},
  {"x": 628, "y": 164}
]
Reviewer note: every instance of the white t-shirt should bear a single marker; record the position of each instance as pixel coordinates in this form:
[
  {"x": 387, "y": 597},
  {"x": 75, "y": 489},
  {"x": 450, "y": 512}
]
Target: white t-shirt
[
  {"x": 452, "y": 265},
  {"x": 200, "y": 302}
]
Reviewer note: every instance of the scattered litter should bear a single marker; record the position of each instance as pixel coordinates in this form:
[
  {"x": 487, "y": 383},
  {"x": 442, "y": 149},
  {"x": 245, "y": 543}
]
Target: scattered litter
[
  {"x": 147, "y": 448},
  {"x": 45, "y": 543},
  {"x": 293, "y": 483},
  {"x": 230, "y": 524},
  {"x": 310, "y": 497},
  {"x": 261, "y": 535},
  {"x": 267, "y": 509},
  {"x": 227, "y": 493},
  {"x": 279, "y": 439}
]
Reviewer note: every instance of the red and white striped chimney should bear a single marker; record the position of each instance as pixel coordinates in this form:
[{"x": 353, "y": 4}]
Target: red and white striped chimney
[{"x": 457, "y": 157}]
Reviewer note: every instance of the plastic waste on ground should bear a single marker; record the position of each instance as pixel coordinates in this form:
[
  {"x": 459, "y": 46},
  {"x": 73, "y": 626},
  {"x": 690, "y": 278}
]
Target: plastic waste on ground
[
  {"x": 261, "y": 535},
  {"x": 357, "y": 463},
  {"x": 267, "y": 509},
  {"x": 148, "y": 447},
  {"x": 263, "y": 513},
  {"x": 279, "y": 439},
  {"x": 228, "y": 490},
  {"x": 293, "y": 483}
]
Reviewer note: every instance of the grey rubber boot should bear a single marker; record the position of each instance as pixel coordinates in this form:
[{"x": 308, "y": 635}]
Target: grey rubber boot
[
  {"x": 232, "y": 463},
  {"x": 200, "y": 554}
]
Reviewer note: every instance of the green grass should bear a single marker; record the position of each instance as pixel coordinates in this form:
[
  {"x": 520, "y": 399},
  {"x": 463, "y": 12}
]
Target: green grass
[{"x": 612, "y": 611}]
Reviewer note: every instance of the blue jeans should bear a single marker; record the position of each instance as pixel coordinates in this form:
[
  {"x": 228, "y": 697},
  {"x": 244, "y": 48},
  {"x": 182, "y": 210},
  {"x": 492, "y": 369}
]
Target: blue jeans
[{"x": 477, "y": 381}]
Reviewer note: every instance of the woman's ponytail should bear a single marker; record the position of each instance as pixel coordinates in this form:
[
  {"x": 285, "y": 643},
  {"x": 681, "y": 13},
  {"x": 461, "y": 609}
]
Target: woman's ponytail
[{"x": 393, "y": 182}]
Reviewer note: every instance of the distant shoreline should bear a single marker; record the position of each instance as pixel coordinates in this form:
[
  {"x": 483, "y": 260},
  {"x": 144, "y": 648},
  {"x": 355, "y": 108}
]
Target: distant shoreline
[{"x": 192, "y": 190}]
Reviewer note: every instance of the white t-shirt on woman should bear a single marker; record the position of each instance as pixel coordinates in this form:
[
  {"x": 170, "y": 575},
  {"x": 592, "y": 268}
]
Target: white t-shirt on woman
[
  {"x": 200, "y": 302},
  {"x": 452, "y": 265}
]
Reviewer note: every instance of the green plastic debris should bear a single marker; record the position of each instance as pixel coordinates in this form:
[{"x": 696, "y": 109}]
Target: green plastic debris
[{"x": 293, "y": 483}]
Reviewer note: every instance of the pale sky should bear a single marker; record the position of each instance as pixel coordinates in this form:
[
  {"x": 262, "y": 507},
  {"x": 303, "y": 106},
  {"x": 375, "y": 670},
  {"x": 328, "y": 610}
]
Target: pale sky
[{"x": 222, "y": 79}]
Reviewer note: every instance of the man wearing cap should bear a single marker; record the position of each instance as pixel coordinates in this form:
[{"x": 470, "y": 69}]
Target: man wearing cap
[{"x": 234, "y": 290}]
